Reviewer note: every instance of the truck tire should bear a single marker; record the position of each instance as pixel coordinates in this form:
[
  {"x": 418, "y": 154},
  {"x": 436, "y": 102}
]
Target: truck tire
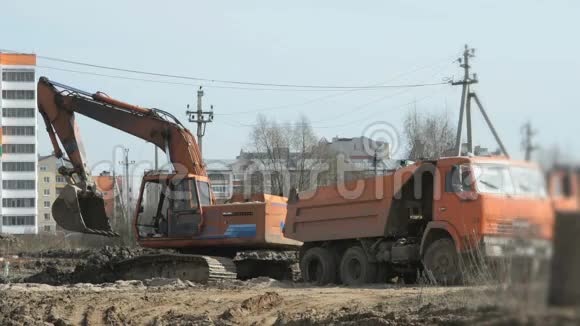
[
  {"x": 441, "y": 261},
  {"x": 355, "y": 268},
  {"x": 318, "y": 266}
]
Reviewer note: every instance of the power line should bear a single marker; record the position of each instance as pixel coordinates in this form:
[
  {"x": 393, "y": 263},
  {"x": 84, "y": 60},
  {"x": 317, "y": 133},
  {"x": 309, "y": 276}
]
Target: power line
[
  {"x": 318, "y": 99},
  {"x": 271, "y": 108},
  {"x": 235, "y": 123},
  {"x": 205, "y": 85},
  {"x": 224, "y": 81},
  {"x": 343, "y": 90}
]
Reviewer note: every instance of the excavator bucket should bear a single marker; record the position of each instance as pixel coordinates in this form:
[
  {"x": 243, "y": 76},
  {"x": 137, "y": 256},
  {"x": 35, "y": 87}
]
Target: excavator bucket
[{"x": 82, "y": 212}]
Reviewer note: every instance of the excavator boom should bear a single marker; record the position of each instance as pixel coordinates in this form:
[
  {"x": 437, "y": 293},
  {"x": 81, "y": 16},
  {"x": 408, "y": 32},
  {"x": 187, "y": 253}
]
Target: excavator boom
[{"x": 80, "y": 207}]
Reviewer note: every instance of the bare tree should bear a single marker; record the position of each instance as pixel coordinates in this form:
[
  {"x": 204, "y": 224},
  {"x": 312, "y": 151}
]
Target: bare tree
[
  {"x": 304, "y": 144},
  {"x": 286, "y": 153},
  {"x": 428, "y": 135},
  {"x": 270, "y": 143}
]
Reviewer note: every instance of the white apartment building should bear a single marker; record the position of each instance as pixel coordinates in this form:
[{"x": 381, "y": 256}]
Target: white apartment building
[{"x": 18, "y": 156}]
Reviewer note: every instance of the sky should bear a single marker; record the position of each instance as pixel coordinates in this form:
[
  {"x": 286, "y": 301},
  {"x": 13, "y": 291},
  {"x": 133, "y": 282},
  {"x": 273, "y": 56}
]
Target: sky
[{"x": 527, "y": 61}]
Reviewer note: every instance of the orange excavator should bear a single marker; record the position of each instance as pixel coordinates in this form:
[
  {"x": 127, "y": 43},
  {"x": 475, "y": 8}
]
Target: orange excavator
[{"x": 176, "y": 209}]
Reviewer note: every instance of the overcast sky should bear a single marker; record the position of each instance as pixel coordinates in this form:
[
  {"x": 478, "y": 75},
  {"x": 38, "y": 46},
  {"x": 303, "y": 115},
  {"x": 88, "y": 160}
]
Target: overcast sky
[{"x": 528, "y": 62}]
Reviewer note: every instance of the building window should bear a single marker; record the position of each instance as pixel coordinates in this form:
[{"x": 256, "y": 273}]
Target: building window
[
  {"x": 9, "y": 220},
  {"x": 18, "y": 76},
  {"x": 18, "y": 166},
  {"x": 46, "y": 179},
  {"x": 58, "y": 191},
  {"x": 47, "y": 228},
  {"x": 60, "y": 179},
  {"x": 46, "y": 204},
  {"x": 17, "y": 94},
  {"x": 47, "y": 216},
  {"x": 18, "y": 112},
  {"x": 218, "y": 189},
  {"x": 18, "y": 184},
  {"x": 217, "y": 177},
  {"x": 46, "y": 192},
  {"x": 43, "y": 167},
  {"x": 18, "y": 202},
  {"x": 18, "y": 131},
  {"x": 18, "y": 148}
]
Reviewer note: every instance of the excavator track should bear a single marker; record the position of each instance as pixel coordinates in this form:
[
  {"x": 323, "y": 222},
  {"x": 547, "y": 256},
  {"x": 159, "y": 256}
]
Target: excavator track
[{"x": 195, "y": 268}]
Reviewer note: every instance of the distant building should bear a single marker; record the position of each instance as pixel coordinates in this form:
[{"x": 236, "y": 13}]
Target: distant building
[
  {"x": 222, "y": 178},
  {"x": 50, "y": 184},
  {"x": 18, "y": 137},
  {"x": 249, "y": 173}
]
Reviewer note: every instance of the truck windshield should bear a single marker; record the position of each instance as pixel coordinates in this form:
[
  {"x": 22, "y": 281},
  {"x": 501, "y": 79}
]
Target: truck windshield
[{"x": 503, "y": 179}]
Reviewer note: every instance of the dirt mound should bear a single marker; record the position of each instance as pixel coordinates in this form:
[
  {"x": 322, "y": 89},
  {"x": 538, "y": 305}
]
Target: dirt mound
[
  {"x": 178, "y": 319},
  {"x": 8, "y": 244},
  {"x": 170, "y": 303},
  {"x": 59, "y": 253},
  {"x": 93, "y": 266},
  {"x": 51, "y": 274},
  {"x": 253, "y": 305}
]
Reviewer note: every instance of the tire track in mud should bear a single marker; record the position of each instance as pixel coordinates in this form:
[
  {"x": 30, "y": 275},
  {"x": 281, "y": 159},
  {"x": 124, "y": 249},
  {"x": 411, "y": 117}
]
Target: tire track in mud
[{"x": 246, "y": 303}]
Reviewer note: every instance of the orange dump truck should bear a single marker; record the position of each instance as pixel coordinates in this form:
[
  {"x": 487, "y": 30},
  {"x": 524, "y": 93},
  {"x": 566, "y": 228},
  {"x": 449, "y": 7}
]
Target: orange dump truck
[{"x": 422, "y": 216}]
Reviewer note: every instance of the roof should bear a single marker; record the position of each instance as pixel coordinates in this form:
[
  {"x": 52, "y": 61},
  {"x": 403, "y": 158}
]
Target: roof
[
  {"x": 219, "y": 165},
  {"x": 18, "y": 59},
  {"x": 44, "y": 157}
]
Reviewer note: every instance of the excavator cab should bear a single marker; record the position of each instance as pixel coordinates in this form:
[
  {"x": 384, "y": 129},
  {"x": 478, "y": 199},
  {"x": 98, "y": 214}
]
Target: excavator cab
[{"x": 172, "y": 207}]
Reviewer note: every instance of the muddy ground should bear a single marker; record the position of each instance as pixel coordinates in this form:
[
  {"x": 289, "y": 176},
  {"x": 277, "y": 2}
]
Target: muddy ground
[
  {"x": 53, "y": 288},
  {"x": 263, "y": 302}
]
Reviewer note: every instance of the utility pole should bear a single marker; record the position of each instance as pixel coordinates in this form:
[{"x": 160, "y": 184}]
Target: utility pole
[
  {"x": 126, "y": 163},
  {"x": 527, "y": 143},
  {"x": 201, "y": 118},
  {"x": 465, "y": 105},
  {"x": 466, "y": 96}
]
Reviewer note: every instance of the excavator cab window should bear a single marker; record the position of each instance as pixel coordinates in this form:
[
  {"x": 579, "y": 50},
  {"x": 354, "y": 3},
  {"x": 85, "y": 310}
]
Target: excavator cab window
[
  {"x": 204, "y": 194},
  {"x": 186, "y": 216},
  {"x": 152, "y": 219},
  {"x": 184, "y": 195}
]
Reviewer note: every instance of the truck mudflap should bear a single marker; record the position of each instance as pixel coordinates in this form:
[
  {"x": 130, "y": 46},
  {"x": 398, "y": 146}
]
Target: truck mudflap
[{"x": 506, "y": 247}]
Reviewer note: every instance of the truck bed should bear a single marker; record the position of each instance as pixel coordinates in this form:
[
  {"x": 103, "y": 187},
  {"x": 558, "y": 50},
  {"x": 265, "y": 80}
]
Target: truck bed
[{"x": 357, "y": 209}]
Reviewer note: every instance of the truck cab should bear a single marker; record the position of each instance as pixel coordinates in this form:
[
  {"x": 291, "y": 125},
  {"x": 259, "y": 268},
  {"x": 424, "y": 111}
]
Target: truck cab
[{"x": 499, "y": 203}]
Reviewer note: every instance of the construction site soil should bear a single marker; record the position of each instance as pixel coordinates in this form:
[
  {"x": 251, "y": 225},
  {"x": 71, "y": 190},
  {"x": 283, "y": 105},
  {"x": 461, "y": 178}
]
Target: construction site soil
[{"x": 71, "y": 287}]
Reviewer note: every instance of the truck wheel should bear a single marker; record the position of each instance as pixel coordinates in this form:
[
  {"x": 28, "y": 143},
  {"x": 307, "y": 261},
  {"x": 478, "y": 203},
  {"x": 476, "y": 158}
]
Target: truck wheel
[
  {"x": 318, "y": 266},
  {"x": 441, "y": 260},
  {"x": 355, "y": 268}
]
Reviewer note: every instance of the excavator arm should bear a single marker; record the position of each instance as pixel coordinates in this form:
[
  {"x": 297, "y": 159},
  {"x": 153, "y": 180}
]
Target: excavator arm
[{"x": 80, "y": 207}]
